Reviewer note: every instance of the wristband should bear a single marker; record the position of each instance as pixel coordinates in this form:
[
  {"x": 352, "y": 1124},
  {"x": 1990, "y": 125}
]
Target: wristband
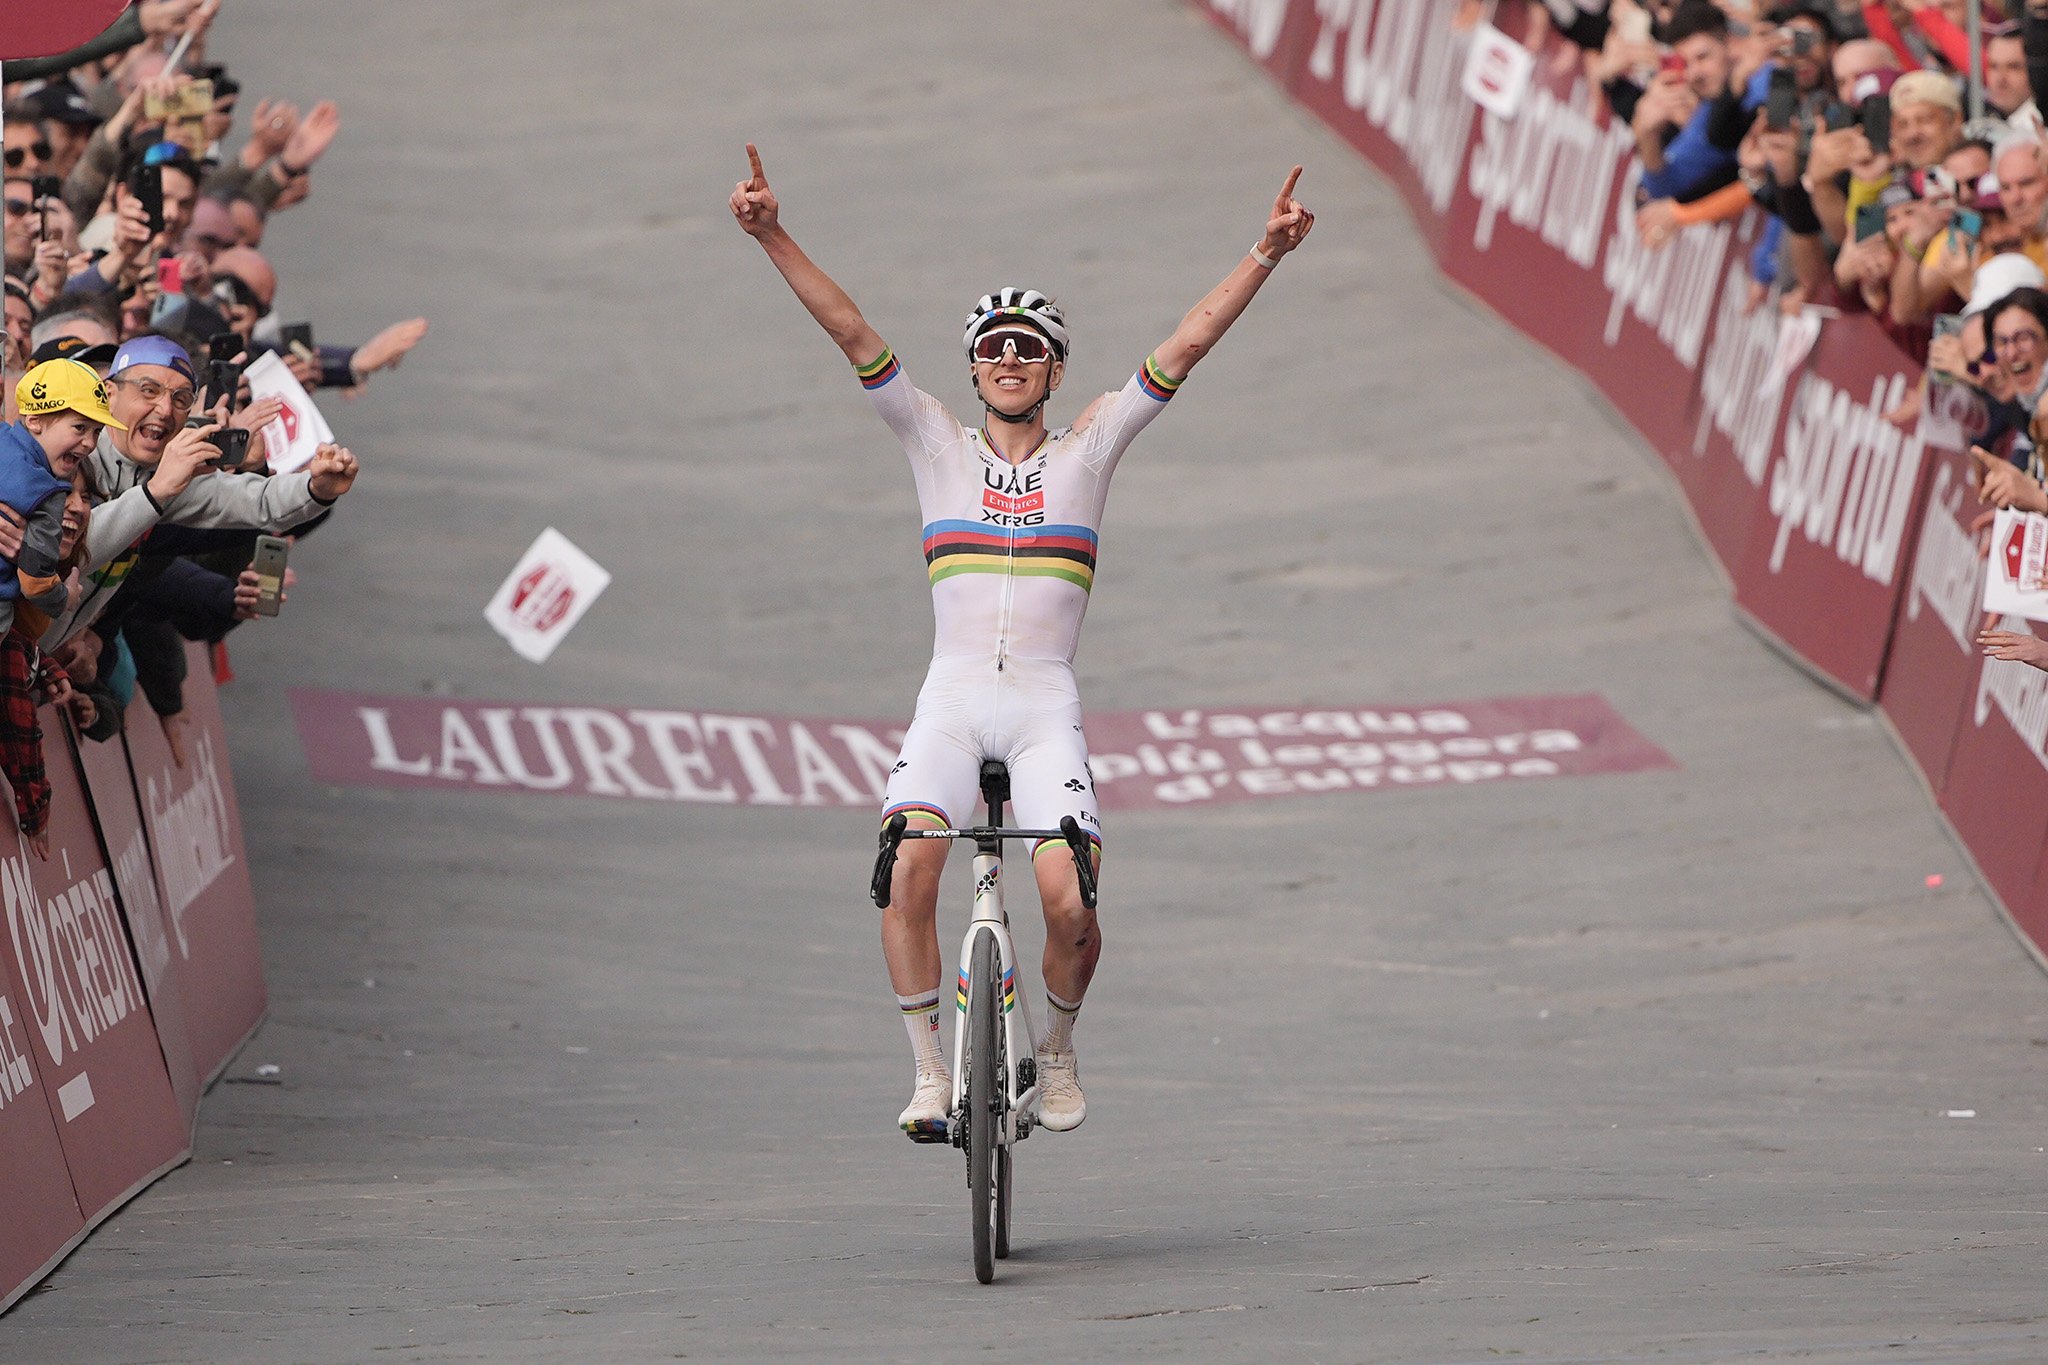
[{"x": 1262, "y": 258}]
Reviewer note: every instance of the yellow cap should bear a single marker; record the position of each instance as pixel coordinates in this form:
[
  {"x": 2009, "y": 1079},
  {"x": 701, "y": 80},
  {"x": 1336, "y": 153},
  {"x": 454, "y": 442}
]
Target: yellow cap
[{"x": 56, "y": 385}]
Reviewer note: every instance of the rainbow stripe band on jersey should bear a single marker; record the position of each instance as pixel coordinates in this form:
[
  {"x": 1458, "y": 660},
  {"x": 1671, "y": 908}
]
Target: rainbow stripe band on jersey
[
  {"x": 1155, "y": 381},
  {"x": 878, "y": 371},
  {"x": 956, "y": 547}
]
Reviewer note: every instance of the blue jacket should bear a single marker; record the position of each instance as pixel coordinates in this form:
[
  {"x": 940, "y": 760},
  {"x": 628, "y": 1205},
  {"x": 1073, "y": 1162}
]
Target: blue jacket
[{"x": 26, "y": 483}]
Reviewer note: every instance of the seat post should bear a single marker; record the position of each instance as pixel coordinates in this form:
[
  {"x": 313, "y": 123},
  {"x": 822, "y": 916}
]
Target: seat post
[{"x": 995, "y": 789}]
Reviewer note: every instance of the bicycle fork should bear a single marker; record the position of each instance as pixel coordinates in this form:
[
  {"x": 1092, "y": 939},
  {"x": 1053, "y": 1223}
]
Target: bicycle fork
[{"x": 1020, "y": 1035}]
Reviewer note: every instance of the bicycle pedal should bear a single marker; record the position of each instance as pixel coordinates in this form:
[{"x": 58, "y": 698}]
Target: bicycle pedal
[{"x": 926, "y": 1130}]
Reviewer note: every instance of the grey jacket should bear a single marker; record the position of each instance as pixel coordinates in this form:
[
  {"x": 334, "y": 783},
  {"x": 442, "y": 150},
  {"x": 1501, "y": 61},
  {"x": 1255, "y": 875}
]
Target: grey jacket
[{"x": 252, "y": 502}]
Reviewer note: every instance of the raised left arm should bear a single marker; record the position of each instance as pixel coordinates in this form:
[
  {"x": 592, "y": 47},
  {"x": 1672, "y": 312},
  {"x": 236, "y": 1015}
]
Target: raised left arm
[{"x": 1206, "y": 323}]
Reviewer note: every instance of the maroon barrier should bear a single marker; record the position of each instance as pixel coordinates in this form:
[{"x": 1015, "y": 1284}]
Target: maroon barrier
[
  {"x": 1996, "y": 790},
  {"x": 1931, "y": 674},
  {"x": 73, "y": 970},
  {"x": 1821, "y": 513},
  {"x": 131, "y": 974},
  {"x": 1821, "y": 566},
  {"x": 111, "y": 791},
  {"x": 41, "y": 1217},
  {"x": 202, "y": 874}
]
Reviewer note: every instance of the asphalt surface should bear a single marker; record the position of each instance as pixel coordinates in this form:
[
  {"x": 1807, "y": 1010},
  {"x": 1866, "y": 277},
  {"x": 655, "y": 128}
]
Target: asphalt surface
[{"x": 1629, "y": 1067}]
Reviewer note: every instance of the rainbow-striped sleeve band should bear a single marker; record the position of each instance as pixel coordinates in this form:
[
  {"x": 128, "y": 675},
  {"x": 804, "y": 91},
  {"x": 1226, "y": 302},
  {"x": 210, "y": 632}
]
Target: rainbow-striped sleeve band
[
  {"x": 1150, "y": 378},
  {"x": 881, "y": 370},
  {"x": 931, "y": 816}
]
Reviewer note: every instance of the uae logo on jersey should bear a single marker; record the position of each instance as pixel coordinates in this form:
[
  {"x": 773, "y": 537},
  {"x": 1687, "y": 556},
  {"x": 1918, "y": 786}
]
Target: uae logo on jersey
[{"x": 1004, "y": 490}]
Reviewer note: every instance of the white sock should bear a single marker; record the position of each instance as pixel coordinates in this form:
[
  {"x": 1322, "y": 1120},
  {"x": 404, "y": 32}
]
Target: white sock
[
  {"x": 1059, "y": 1029},
  {"x": 921, "y": 1021}
]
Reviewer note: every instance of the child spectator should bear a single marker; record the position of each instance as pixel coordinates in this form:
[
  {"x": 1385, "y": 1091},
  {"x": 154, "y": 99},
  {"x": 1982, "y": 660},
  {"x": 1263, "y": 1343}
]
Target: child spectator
[{"x": 63, "y": 406}]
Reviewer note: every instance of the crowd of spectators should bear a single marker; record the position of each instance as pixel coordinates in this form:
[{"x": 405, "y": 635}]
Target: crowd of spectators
[
  {"x": 134, "y": 476},
  {"x": 1890, "y": 182}
]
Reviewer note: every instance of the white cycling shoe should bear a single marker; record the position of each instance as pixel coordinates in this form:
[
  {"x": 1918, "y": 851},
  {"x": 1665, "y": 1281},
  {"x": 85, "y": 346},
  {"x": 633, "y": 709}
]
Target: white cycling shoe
[
  {"x": 1060, "y": 1104},
  {"x": 925, "y": 1118}
]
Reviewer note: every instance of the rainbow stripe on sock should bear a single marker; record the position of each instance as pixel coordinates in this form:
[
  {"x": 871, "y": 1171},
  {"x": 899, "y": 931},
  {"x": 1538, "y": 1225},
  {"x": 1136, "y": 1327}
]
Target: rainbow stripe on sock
[
  {"x": 1155, "y": 381},
  {"x": 955, "y": 547}
]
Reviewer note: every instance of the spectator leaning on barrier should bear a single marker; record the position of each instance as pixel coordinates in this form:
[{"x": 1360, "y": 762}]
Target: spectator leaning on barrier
[
  {"x": 64, "y": 409},
  {"x": 156, "y": 473},
  {"x": 1969, "y": 354},
  {"x": 1937, "y": 258},
  {"x": 2018, "y": 328},
  {"x": 1689, "y": 122}
]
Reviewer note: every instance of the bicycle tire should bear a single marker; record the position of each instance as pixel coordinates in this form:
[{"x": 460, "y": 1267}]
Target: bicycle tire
[
  {"x": 1004, "y": 1165},
  {"x": 984, "y": 1076}
]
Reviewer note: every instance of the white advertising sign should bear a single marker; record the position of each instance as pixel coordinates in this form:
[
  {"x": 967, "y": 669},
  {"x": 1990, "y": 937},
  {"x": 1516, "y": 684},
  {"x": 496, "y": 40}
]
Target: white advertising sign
[
  {"x": 550, "y": 588},
  {"x": 289, "y": 442}
]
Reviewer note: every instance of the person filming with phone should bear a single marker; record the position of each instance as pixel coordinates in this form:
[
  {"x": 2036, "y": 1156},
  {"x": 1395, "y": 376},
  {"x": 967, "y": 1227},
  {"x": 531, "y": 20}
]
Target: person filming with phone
[
  {"x": 153, "y": 203},
  {"x": 162, "y": 471}
]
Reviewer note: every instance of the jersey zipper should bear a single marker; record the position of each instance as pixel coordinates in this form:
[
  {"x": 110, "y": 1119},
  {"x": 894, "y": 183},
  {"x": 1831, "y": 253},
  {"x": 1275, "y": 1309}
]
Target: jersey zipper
[{"x": 1010, "y": 553}]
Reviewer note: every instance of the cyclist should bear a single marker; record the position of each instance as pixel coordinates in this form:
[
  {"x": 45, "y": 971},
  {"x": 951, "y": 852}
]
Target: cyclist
[{"x": 1010, "y": 512}]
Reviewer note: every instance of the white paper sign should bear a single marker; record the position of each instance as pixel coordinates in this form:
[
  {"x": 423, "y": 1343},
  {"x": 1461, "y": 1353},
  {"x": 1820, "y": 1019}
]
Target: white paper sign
[
  {"x": 2016, "y": 580},
  {"x": 1497, "y": 71},
  {"x": 290, "y": 442},
  {"x": 552, "y": 586}
]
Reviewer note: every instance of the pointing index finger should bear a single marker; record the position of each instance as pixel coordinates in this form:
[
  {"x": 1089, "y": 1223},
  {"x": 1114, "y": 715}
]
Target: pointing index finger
[
  {"x": 1287, "y": 190},
  {"x": 754, "y": 160}
]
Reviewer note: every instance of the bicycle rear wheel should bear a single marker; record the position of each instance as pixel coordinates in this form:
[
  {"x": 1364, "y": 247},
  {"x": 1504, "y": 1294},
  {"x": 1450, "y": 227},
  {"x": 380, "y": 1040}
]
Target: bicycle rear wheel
[
  {"x": 1003, "y": 1167},
  {"x": 984, "y": 1087}
]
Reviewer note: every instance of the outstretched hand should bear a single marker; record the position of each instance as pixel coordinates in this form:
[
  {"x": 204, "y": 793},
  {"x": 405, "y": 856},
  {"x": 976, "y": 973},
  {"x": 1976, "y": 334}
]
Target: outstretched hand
[
  {"x": 753, "y": 203},
  {"x": 1290, "y": 221}
]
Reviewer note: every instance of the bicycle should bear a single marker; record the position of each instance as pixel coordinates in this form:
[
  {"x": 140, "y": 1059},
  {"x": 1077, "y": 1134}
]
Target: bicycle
[{"x": 995, "y": 1045}]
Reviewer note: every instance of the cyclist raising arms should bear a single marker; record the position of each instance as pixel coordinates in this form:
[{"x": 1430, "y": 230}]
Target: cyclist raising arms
[{"x": 1010, "y": 514}]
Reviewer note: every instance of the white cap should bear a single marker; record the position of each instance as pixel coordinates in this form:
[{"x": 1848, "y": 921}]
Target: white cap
[{"x": 1998, "y": 277}]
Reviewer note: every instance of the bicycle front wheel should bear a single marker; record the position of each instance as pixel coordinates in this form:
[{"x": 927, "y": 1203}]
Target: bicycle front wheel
[{"x": 984, "y": 1087}]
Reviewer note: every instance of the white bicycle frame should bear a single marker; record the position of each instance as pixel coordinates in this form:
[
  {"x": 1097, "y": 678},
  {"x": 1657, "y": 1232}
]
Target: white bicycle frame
[{"x": 1020, "y": 1036}]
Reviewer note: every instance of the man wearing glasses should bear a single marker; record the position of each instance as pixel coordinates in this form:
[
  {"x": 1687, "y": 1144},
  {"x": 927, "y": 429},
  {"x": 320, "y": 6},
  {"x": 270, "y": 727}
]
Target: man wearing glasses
[
  {"x": 156, "y": 470},
  {"x": 1010, "y": 515}
]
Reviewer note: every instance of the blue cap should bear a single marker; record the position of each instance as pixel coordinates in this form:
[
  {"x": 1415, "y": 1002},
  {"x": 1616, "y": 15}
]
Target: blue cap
[{"x": 152, "y": 350}]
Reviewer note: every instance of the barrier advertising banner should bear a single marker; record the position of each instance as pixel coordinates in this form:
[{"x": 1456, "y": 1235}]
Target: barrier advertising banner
[
  {"x": 110, "y": 789},
  {"x": 72, "y": 969},
  {"x": 1931, "y": 672},
  {"x": 1845, "y": 537},
  {"x": 39, "y": 1214},
  {"x": 202, "y": 874}
]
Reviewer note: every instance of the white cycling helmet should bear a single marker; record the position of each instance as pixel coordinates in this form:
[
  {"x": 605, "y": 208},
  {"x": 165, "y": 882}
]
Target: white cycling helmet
[{"x": 1012, "y": 302}]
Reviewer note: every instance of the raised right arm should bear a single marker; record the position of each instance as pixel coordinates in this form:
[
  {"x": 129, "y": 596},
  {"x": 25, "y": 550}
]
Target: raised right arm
[{"x": 758, "y": 214}]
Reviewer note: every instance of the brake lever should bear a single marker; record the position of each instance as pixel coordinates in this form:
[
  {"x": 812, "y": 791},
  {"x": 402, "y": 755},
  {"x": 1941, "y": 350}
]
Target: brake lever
[
  {"x": 1084, "y": 862},
  {"x": 885, "y": 861}
]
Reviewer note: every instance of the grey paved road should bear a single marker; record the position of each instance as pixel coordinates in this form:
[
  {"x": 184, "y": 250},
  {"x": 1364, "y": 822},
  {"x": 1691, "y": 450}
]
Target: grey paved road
[{"x": 1649, "y": 1066}]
